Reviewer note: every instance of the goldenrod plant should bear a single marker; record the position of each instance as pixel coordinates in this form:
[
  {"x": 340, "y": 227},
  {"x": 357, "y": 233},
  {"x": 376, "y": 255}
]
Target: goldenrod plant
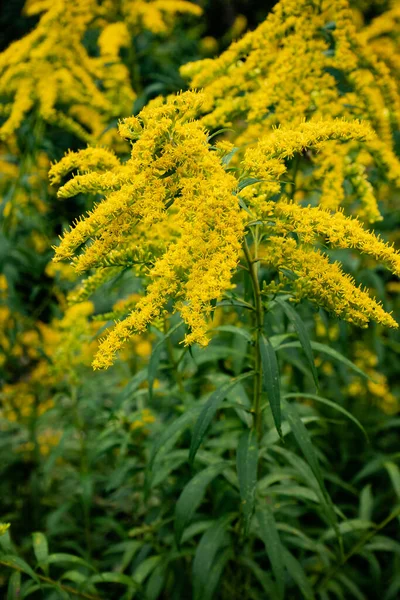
[{"x": 199, "y": 302}]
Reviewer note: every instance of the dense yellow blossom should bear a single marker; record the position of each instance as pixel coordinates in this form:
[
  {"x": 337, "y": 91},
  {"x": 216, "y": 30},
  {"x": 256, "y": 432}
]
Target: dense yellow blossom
[{"x": 324, "y": 282}]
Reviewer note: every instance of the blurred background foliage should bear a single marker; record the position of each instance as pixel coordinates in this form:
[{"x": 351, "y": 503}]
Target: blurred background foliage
[{"x": 97, "y": 462}]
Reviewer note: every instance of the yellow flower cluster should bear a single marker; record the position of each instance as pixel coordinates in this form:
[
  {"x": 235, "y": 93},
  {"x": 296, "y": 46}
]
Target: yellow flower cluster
[
  {"x": 292, "y": 67},
  {"x": 50, "y": 70},
  {"x": 173, "y": 181},
  {"x": 144, "y": 418}
]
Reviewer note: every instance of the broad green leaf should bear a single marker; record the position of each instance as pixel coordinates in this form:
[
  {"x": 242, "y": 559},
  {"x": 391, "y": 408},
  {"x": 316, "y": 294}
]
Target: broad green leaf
[
  {"x": 215, "y": 538},
  {"x": 331, "y": 404},
  {"x": 192, "y": 496},
  {"x": 170, "y": 434},
  {"x": 208, "y": 411},
  {"x": 18, "y": 563},
  {"x": 41, "y": 549},
  {"x": 304, "y": 339},
  {"x": 298, "y": 575},
  {"x": 246, "y": 464},
  {"x": 14, "y": 586},
  {"x": 271, "y": 379},
  {"x": 330, "y": 352},
  {"x": 269, "y": 534}
]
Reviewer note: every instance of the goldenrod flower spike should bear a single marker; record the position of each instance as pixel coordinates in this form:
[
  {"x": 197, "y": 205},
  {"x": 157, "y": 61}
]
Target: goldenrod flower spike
[{"x": 324, "y": 283}]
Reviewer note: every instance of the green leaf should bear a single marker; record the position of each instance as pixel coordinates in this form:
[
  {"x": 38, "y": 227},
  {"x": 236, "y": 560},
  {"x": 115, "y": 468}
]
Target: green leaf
[
  {"x": 269, "y": 534},
  {"x": 215, "y": 574},
  {"x": 305, "y": 444},
  {"x": 298, "y": 575},
  {"x": 366, "y": 503},
  {"x": 14, "y": 586},
  {"x": 234, "y": 330},
  {"x": 155, "y": 358},
  {"x": 304, "y": 339},
  {"x": 169, "y": 435},
  {"x": 246, "y": 464},
  {"x": 192, "y": 495},
  {"x": 41, "y": 549},
  {"x": 263, "y": 578},
  {"x": 270, "y": 371},
  {"x": 332, "y": 405},
  {"x": 146, "y": 567},
  {"x": 330, "y": 352},
  {"x": 246, "y": 182},
  {"x": 208, "y": 411},
  {"x": 112, "y": 577},
  {"x": 69, "y": 558},
  {"x": 18, "y": 563},
  {"x": 213, "y": 539},
  {"x": 394, "y": 474}
]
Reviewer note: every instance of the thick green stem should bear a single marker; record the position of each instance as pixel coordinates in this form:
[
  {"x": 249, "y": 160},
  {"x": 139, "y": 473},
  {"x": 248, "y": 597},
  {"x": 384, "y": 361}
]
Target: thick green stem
[{"x": 259, "y": 322}]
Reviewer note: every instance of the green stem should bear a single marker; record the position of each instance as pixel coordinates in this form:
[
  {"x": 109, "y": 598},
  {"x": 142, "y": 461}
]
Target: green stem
[
  {"x": 66, "y": 588},
  {"x": 259, "y": 323}
]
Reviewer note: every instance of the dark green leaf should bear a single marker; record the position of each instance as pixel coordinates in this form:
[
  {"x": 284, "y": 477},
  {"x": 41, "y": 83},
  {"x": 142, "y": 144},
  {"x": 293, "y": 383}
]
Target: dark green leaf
[
  {"x": 192, "y": 496},
  {"x": 14, "y": 586},
  {"x": 330, "y": 352},
  {"x": 304, "y": 339},
  {"x": 212, "y": 541},
  {"x": 332, "y": 405},
  {"x": 208, "y": 411},
  {"x": 270, "y": 536},
  {"x": 298, "y": 575},
  {"x": 246, "y": 464},
  {"x": 270, "y": 371}
]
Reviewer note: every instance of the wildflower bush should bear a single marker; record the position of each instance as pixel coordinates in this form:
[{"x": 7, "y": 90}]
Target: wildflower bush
[{"x": 199, "y": 301}]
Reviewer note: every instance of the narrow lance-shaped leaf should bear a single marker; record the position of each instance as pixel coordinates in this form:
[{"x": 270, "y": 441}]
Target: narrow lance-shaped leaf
[
  {"x": 270, "y": 536},
  {"x": 14, "y": 586},
  {"x": 304, "y": 339},
  {"x": 192, "y": 496},
  {"x": 246, "y": 463},
  {"x": 41, "y": 549},
  {"x": 330, "y": 352},
  {"x": 208, "y": 412},
  {"x": 297, "y": 573},
  {"x": 332, "y": 405},
  {"x": 270, "y": 371},
  {"x": 305, "y": 444},
  {"x": 170, "y": 433},
  {"x": 215, "y": 538}
]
